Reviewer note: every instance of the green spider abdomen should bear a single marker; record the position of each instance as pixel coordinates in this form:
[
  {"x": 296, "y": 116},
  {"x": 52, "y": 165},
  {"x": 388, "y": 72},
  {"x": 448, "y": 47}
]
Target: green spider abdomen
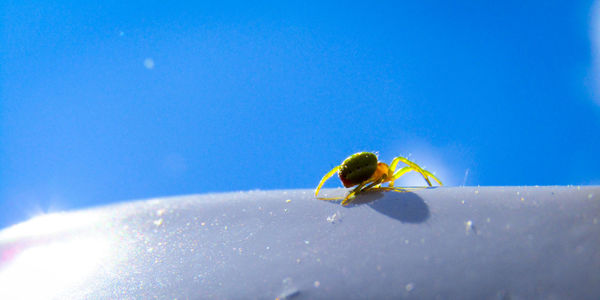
[{"x": 357, "y": 168}]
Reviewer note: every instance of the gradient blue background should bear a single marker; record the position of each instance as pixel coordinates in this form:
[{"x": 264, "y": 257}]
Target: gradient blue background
[{"x": 272, "y": 95}]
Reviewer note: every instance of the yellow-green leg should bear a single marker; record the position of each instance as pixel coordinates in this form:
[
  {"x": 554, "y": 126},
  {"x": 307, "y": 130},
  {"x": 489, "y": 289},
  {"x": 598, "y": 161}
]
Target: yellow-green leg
[
  {"x": 386, "y": 188},
  {"x": 433, "y": 176},
  {"x": 350, "y": 195},
  {"x": 327, "y": 176},
  {"x": 399, "y": 173},
  {"x": 365, "y": 186},
  {"x": 413, "y": 166}
]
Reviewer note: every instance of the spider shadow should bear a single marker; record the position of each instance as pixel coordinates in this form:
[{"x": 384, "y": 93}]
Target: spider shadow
[{"x": 406, "y": 207}]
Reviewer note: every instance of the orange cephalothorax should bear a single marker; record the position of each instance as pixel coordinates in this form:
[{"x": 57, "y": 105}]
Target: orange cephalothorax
[{"x": 382, "y": 171}]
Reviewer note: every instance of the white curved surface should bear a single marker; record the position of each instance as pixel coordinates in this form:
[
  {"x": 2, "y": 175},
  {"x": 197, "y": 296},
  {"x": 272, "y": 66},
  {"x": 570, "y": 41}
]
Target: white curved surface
[{"x": 462, "y": 242}]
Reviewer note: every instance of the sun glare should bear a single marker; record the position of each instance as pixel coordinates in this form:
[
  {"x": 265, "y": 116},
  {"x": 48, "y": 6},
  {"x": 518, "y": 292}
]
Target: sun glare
[
  {"x": 50, "y": 255},
  {"x": 46, "y": 271},
  {"x": 46, "y": 224}
]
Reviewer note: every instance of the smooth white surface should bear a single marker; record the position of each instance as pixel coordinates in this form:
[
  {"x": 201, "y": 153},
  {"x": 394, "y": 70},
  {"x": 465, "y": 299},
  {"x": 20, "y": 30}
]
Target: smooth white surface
[{"x": 462, "y": 242}]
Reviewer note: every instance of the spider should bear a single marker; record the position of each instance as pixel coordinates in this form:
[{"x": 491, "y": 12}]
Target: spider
[{"x": 365, "y": 171}]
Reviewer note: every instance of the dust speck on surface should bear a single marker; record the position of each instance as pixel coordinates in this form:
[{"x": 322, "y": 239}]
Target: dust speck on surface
[
  {"x": 336, "y": 217},
  {"x": 470, "y": 227}
]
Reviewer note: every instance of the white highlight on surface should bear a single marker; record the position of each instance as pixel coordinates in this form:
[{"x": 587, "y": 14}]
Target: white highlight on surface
[
  {"x": 51, "y": 255},
  {"x": 49, "y": 224},
  {"x": 149, "y": 63},
  {"x": 46, "y": 271}
]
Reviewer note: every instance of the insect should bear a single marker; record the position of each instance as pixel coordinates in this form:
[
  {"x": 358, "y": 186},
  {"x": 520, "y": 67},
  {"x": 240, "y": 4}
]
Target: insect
[{"x": 364, "y": 171}]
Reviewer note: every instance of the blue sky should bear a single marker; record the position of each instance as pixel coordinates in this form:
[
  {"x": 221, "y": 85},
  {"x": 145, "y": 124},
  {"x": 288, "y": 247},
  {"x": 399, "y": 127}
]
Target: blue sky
[{"x": 112, "y": 101}]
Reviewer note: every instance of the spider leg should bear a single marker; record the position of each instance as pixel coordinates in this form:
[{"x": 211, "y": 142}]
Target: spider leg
[
  {"x": 359, "y": 189},
  {"x": 386, "y": 188},
  {"x": 365, "y": 186},
  {"x": 354, "y": 191},
  {"x": 327, "y": 176},
  {"x": 433, "y": 176},
  {"x": 330, "y": 198},
  {"x": 416, "y": 167},
  {"x": 374, "y": 184},
  {"x": 399, "y": 173},
  {"x": 394, "y": 164}
]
